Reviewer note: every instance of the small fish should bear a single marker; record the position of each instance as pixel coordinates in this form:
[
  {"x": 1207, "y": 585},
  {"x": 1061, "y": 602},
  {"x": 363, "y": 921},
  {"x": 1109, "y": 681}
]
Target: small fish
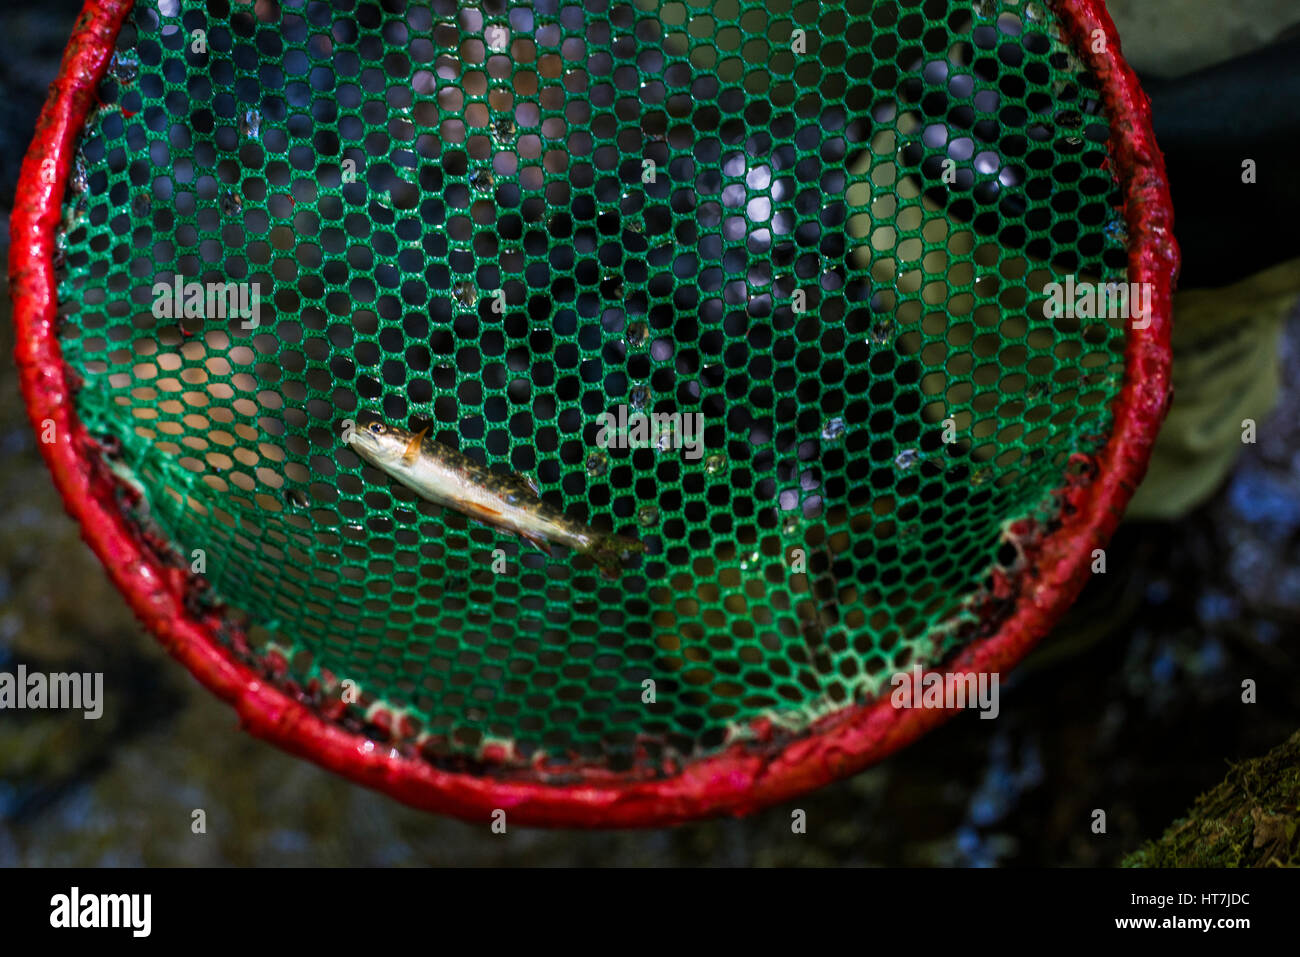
[{"x": 448, "y": 478}]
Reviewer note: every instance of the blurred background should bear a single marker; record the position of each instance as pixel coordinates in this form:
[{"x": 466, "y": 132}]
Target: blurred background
[{"x": 1133, "y": 705}]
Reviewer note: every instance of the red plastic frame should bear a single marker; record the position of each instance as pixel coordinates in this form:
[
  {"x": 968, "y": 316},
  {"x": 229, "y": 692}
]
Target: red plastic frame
[{"x": 736, "y": 781}]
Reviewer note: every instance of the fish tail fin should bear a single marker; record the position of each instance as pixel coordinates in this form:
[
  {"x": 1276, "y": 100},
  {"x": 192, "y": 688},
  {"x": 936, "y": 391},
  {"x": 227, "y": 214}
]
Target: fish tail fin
[{"x": 608, "y": 551}]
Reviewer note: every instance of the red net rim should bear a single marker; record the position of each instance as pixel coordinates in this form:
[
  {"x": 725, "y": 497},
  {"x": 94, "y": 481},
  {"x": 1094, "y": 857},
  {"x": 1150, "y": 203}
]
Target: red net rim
[{"x": 735, "y": 781}]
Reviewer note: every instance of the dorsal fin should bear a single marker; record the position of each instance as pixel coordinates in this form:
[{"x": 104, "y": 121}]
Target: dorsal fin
[{"x": 519, "y": 483}]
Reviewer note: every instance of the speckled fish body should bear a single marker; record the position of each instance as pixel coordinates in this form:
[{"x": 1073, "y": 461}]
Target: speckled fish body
[{"x": 453, "y": 480}]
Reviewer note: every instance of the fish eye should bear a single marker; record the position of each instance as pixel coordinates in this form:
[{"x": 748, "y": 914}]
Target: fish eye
[{"x": 376, "y": 428}]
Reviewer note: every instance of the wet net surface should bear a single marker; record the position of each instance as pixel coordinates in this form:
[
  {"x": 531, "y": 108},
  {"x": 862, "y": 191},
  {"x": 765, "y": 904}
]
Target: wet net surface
[{"x": 827, "y": 230}]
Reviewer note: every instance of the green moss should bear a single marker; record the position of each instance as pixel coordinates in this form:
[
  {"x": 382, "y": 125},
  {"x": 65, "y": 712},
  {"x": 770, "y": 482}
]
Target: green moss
[{"x": 1247, "y": 820}]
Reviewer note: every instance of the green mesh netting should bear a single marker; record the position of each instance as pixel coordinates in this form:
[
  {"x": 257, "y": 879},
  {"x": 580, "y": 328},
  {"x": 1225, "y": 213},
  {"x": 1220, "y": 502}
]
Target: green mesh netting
[{"x": 825, "y": 227}]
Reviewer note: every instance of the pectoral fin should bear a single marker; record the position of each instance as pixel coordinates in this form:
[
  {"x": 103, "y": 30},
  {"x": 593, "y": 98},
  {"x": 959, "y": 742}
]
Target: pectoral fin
[
  {"x": 413, "y": 447},
  {"x": 530, "y": 482}
]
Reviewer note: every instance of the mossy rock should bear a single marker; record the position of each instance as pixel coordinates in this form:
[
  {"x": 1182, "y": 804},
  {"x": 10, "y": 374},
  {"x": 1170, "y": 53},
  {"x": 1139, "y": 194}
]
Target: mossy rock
[{"x": 1248, "y": 820}]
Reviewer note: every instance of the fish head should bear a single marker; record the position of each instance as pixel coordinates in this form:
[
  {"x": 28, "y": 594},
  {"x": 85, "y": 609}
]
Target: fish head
[{"x": 380, "y": 444}]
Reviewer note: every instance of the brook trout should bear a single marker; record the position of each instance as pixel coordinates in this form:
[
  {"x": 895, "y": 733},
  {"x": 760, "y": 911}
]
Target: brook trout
[{"x": 446, "y": 477}]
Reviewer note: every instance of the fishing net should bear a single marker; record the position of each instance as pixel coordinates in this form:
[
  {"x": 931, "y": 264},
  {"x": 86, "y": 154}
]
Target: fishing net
[{"x": 830, "y": 231}]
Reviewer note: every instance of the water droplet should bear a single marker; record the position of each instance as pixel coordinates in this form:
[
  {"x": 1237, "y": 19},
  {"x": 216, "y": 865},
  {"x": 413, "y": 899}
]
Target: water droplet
[
  {"x": 124, "y": 67},
  {"x": 612, "y": 286},
  {"x": 639, "y": 397},
  {"x": 466, "y": 293},
  {"x": 141, "y": 204},
  {"x": 907, "y": 459},
  {"x": 503, "y": 130},
  {"x": 1036, "y": 390},
  {"x": 1035, "y": 13},
  {"x": 986, "y": 287},
  {"x": 833, "y": 429},
  {"x": 982, "y": 476},
  {"x": 647, "y": 515},
  {"x": 296, "y": 498},
  {"x": 790, "y": 524},
  {"x": 882, "y": 333},
  {"x": 232, "y": 204},
  {"x": 715, "y": 463},
  {"x": 1118, "y": 231},
  {"x": 597, "y": 464},
  {"x": 985, "y": 8},
  {"x": 481, "y": 179},
  {"x": 250, "y": 125},
  {"x": 664, "y": 441},
  {"x": 636, "y": 226},
  {"x": 638, "y": 334}
]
